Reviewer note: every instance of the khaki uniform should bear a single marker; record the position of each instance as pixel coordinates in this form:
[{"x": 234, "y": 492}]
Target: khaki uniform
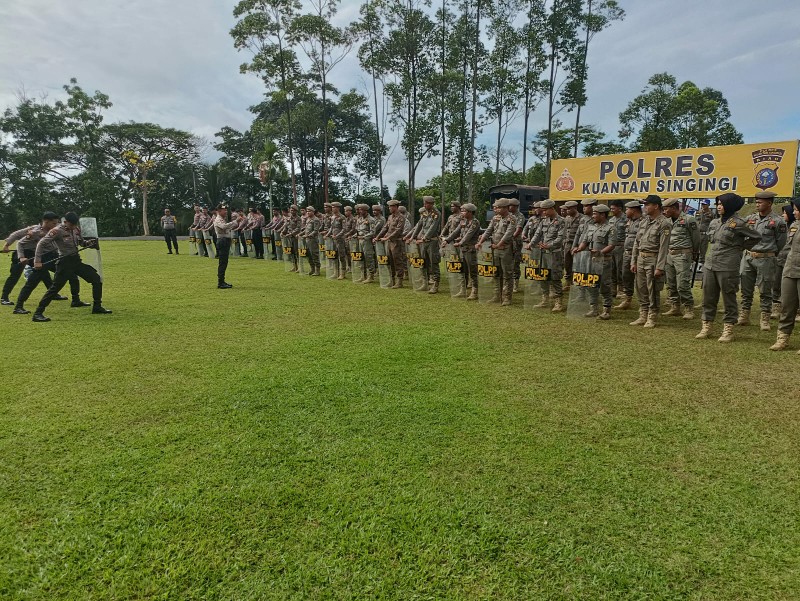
[
  {"x": 393, "y": 230},
  {"x": 427, "y": 229},
  {"x": 759, "y": 265},
  {"x": 336, "y": 233},
  {"x": 520, "y": 221},
  {"x": 551, "y": 232},
  {"x": 650, "y": 251},
  {"x": 721, "y": 269},
  {"x": 377, "y": 226},
  {"x": 790, "y": 284},
  {"x": 363, "y": 231},
  {"x": 501, "y": 231},
  {"x": 469, "y": 233},
  {"x": 628, "y": 277},
  {"x": 310, "y": 233},
  {"x": 597, "y": 236},
  {"x": 571, "y": 227},
  {"x": 349, "y": 229},
  {"x": 703, "y": 221},
  {"x": 684, "y": 244},
  {"x": 618, "y": 255},
  {"x": 292, "y": 225}
]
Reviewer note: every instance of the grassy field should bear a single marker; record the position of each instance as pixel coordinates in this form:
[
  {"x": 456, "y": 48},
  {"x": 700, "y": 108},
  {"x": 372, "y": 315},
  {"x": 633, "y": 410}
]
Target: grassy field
[{"x": 295, "y": 438}]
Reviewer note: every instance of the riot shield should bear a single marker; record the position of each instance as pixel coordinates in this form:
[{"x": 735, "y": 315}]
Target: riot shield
[
  {"x": 488, "y": 273},
  {"x": 356, "y": 260},
  {"x": 454, "y": 268},
  {"x": 248, "y": 243},
  {"x": 91, "y": 256},
  {"x": 531, "y": 290},
  {"x": 208, "y": 239},
  {"x": 235, "y": 249},
  {"x": 585, "y": 275},
  {"x": 382, "y": 257},
  {"x": 322, "y": 262},
  {"x": 416, "y": 263},
  {"x": 330, "y": 258},
  {"x": 288, "y": 257},
  {"x": 302, "y": 256},
  {"x": 193, "y": 242},
  {"x": 266, "y": 240},
  {"x": 278, "y": 247}
]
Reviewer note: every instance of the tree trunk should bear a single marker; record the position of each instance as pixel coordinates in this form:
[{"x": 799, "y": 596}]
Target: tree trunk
[
  {"x": 288, "y": 114},
  {"x": 473, "y": 134},
  {"x": 325, "y": 125},
  {"x": 583, "y": 75},
  {"x": 444, "y": 94},
  {"x": 551, "y": 99},
  {"x": 145, "y": 224}
]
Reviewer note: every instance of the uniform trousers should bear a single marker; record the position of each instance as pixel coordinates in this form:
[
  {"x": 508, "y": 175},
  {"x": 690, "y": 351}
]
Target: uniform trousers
[
  {"x": 223, "y": 250},
  {"x": 171, "y": 238},
  {"x": 258, "y": 243},
  {"x": 790, "y": 303},
  {"x": 679, "y": 279},
  {"x": 724, "y": 283},
  {"x": 397, "y": 258},
  {"x": 70, "y": 267},
  {"x": 757, "y": 272},
  {"x": 648, "y": 286}
]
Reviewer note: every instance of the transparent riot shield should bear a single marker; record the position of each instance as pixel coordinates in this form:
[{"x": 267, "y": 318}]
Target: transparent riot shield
[
  {"x": 382, "y": 257},
  {"x": 416, "y": 263},
  {"x": 356, "y": 260},
  {"x": 248, "y": 243},
  {"x": 193, "y": 242},
  {"x": 208, "y": 239},
  {"x": 266, "y": 240},
  {"x": 91, "y": 256},
  {"x": 488, "y": 273},
  {"x": 330, "y": 258},
  {"x": 585, "y": 275},
  {"x": 235, "y": 249},
  {"x": 302, "y": 256},
  {"x": 454, "y": 268},
  {"x": 531, "y": 290},
  {"x": 288, "y": 256},
  {"x": 322, "y": 261},
  {"x": 278, "y": 247}
]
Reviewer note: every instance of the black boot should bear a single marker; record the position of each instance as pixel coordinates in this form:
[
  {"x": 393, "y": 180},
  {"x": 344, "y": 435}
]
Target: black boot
[
  {"x": 40, "y": 317},
  {"x": 6, "y": 302},
  {"x": 21, "y": 311},
  {"x": 224, "y": 285},
  {"x": 76, "y": 302},
  {"x": 98, "y": 309},
  {"x": 60, "y": 297}
]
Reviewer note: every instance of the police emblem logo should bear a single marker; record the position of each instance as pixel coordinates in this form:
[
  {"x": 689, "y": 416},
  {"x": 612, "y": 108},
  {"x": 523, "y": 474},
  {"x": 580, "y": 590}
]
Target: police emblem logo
[
  {"x": 565, "y": 183},
  {"x": 731, "y": 223},
  {"x": 766, "y": 162}
]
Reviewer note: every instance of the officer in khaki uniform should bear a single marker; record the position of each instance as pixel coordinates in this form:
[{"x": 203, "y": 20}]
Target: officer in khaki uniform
[
  {"x": 348, "y": 230},
  {"x": 790, "y": 284},
  {"x": 572, "y": 220},
  {"x": 363, "y": 233},
  {"x": 392, "y": 233},
  {"x": 529, "y": 229},
  {"x": 649, "y": 261},
  {"x": 599, "y": 238},
  {"x": 617, "y": 221},
  {"x": 501, "y": 231},
  {"x": 426, "y": 234},
  {"x": 469, "y": 230},
  {"x": 787, "y": 212},
  {"x": 633, "y": 212},
  {"x": 549, "y": 238},
  {"x": 728, "y": 235},
  {"x": 336, "y": 230},
  {"x": 291, "y": 229},
  {"x": 760, "y": 263},
  {"x": 452, "y": 223},
  {"x": 704, "y": 216},
  {"x": 513, "y": 210},
  {"x": 684, "y": 246},
  {"x": 310, "y": 233}
]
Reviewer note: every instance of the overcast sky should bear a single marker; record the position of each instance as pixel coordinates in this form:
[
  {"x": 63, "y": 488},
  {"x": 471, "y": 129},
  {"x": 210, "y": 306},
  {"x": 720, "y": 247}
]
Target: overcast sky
[{"x": 172, "y": 62}]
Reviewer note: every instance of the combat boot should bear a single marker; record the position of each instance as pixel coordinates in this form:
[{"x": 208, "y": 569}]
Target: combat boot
[
  {"x": 506, "y": 299},
  {"x": 674, "y": 310},
  {"x": 642, "y": 318},
  {"x": 776, "y": 311},
  {"x": 496, "y": 297},
  {"x": 727, "y": 333},
  {"x": 473, "y": 293},
  {"x": 688, "y": 312},
  {"x": 626, "y": 304},
  {"x": 544, "y": 304},
  {"x": 744, "y": 317},
  {"x": 705, "y": 330},
  {"x": 368, "y": 280},
  {"x": 557, "y": 306},
  {"x": 606, "y": 314},
  {"x": 652, "y": 317},
  {"x": 516, "y": 286},
  {"x": 764, "y": 322},
  {"x": 592, "y": 312},
  {"x": 398, "y": 282},
  {"x": 461, "y": 292},
  {"x": 434, "y": 288},
  {"x": 781, "y": 343},
  {"x": 341, "y": 276},
  {"x": 567, "y": 285}
]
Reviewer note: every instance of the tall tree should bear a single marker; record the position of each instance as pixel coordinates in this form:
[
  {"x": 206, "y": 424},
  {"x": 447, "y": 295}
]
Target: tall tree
[{"x": 535, "y": 62}]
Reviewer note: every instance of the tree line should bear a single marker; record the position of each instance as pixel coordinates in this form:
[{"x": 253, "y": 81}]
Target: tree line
[{"x": 436, "y": 77}]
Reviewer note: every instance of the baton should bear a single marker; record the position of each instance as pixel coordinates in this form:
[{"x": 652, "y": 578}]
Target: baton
[
  {"x": 694, "y": 272},
  {"x": 81, "y": 249}
]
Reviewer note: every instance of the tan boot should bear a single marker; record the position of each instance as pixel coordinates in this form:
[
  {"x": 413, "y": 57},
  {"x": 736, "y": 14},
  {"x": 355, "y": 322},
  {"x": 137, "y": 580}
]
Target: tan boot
[
  {"x": 473, "y": 293},
  {"x": 516, "y": 286},
  {"x": 626, "y": 304},
  {"x": 369, "y": 279},
  {"x": 642, "y": 318},
  {"x": 557, "y": 306},
  {"x": 592, "y": 312},
  {"x": 763, "y": 323},
  {"x": 727, "y": 333},
  {"x": 545, "y": 304},
  {"x": 705, "y": 330},
  {"x": 341, "y": 276},
  {"x": 434, "y": 288},
  {"x": 744, "y": 317},
  {"x": 461, "y": 291},
  {"x": 781, "y": 343},
  {"x": 776, "y": 311},
  {"x": 398, "y": 282},
  {"x": 674, "y": 310},
  {"x": 606, "y": 314},
  {"x": 652, "y": 317},
  {"x": 688, "y": 312}
]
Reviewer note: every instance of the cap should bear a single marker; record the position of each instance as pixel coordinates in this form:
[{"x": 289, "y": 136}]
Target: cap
[
  {"x": 670, "y": 202},
  {"x": 514, "y": 202},
  {"x": 705, "y": 201},
  {"x": 403, "y": 209},
  {"x": 293, "y": 207},
  {"x": 393, "y": 203},
  {"x": 537, "y": 204},
  {"x": 326, "y": 204},
  {"x": 570, "y": 203},
  {"x": 501, "y": 203},
  {"x": 309, "y": 208},
  {"x": 219, "y": 207},
  {"x": 428, "y": 199},
  {"x": 634, "y": 204},
  {"x": 49, "y": 216},
  {"x": 469, "y": 207},
  {"x": 455, "y": 202},
  {"x": 348, "y": 207},
  {"x": 71, "y": 218},
  {"x": 587, "y": 202},
  {"x": 377, "y": 208},
  {"x": 653, "y": 199},
  {"x": 601, "y": 209},
  {"x": 547, "y": 204},
  {"x": 336, "y": 204},
  {"x": 765, "y": 195}
]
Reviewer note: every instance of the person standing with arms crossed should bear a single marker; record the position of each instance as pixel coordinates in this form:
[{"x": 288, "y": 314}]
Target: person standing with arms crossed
[
  {"x": 169, "y": 225},
  {"x": 224, "y": 230}
]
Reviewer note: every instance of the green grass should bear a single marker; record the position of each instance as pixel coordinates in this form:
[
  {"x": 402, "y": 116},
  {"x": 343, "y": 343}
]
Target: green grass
[{"x": 296, "y": 438}]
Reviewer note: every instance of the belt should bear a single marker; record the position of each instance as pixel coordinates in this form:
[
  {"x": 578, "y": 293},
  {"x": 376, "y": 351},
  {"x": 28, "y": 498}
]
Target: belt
[
  {"x": 680, "y": 251},
  {"x": 759, "y": 255},
  {"x": 645, "y": 253}
]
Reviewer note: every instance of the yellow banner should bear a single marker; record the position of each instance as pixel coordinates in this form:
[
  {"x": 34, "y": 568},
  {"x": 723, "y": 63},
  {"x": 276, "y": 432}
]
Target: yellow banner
[{"x": 687, "y": 173}]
